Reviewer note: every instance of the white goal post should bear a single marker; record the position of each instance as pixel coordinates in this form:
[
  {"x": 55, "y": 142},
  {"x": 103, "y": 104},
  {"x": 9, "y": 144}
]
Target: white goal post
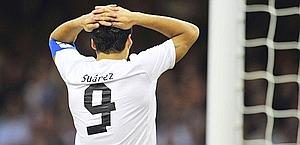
[
  {"x": 254, "y": 72},
  {"x": 225, "y": 70}
]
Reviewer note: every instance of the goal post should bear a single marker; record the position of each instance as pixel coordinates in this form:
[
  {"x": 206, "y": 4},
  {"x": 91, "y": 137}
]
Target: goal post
[
  {"x": 225, "y": 70},
  {"x": 254, "y": 73}
]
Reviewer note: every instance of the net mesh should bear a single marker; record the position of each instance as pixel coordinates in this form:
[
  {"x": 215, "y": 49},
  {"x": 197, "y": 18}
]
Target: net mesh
[{"x": 272, "y": 73}]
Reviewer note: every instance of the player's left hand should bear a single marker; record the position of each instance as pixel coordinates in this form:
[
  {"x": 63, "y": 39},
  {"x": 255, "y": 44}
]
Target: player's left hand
[
  {"x": 118, "y": 17},
  {"x": 104, "y": 16}
]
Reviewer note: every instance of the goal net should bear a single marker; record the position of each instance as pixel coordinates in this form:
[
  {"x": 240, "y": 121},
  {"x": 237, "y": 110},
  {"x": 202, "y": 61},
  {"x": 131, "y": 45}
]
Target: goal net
[
  {"x": 254, "y": 72},
  {"x": 271, "y": 79}
]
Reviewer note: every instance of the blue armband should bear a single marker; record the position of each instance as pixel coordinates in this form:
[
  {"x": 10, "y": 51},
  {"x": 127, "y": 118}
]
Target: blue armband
[{"x": 57, "y": 46}]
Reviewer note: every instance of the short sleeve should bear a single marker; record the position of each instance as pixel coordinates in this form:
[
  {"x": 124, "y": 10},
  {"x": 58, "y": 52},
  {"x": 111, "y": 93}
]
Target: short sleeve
[
  {"x": 65, "y": 56},
  {"x": 157, "y": 59}
]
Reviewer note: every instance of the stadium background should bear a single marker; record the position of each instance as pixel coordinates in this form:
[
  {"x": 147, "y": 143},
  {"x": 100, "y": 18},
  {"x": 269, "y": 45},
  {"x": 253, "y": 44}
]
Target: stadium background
[{"x": 33, "y": 102}]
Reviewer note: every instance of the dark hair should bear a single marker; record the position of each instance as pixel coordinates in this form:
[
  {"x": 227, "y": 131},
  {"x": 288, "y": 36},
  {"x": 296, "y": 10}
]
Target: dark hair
[{"x": 110, "y": 39}]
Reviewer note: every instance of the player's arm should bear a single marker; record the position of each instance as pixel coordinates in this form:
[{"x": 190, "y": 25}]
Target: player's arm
[
  {"x": 183, "y": 34},
  {"x": 68, "y": 31}
]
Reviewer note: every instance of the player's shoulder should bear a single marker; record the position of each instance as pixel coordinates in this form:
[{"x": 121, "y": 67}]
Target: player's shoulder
[
  {"x": 156, "y": 51},
  {"x": 133, "y": 57}
]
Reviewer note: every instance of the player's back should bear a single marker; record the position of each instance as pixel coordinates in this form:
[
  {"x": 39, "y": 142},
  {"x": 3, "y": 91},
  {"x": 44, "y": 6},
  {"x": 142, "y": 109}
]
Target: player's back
[{"x": 113, "y": 101}]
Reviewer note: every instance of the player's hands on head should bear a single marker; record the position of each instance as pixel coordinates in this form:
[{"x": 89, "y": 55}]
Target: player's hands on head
[
  {"x": 87, "y": 22},
  {"x": 116, "y": 16},
  {"x": 110, "y": 15},
  {"x": 103, "y": 15}
]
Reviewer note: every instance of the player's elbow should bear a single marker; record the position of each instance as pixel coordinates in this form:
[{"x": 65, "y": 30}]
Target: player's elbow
[
  {"x": 186, "y": 41},
  {"x": 193, "y": 33}
]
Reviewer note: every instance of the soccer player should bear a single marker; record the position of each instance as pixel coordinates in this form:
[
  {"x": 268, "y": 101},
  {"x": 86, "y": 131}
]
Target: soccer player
[{"x": 112, "y": 98}]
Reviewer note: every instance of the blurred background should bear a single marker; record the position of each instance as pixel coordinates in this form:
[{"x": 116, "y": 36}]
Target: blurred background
[{"x": 33, "y": 98}]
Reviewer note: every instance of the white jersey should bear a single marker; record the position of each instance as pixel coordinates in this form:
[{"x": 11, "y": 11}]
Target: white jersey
[{"x": 113, "y": 102}]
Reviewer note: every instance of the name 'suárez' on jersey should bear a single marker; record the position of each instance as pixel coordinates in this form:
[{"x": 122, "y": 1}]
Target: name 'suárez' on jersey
[{"x": 97, "y": 78}]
